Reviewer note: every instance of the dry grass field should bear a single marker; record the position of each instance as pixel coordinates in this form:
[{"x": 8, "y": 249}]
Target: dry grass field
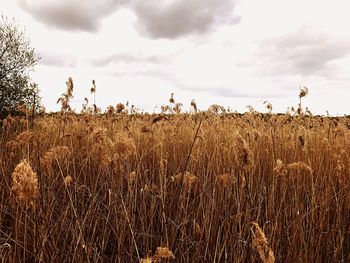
[{"x": 175, "y": 188}]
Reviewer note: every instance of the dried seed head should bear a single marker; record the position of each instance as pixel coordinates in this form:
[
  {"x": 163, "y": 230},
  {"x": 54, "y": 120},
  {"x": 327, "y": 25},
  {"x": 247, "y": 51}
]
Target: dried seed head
[
  {"x": 225, "y": 180},
  {"x": 146, "y": 260},
  {"x": 70, "y": 87},
  {"x": 280, "y": 168},
  {"x": 6, "y": 123},
  {"x": 165, "y": 108},
  {"x": 268, "y": 106},
  {"x": 25, "y": 183},
  {"x": 194, "y": 105},
  {"x": 133, "y": 177},
  {"x": 177, "y": 108},
  {"x": 216, "y": 109},
  {"x": 261, "y": 245},
  {"x": 171, "y": 100},
  {"x": 303, "y": 92},
  {"x": 163, "y": 253},
  {"x": 120, "y": 107},
  {"x": 110, "y": 110},
  {"x": 65, "y": 97},
  {"x": 242, "y": 154},
  {"x": 68, "y": 180},
  {"x": 93, "y": 88},
  {"x": 299, "y": 167},
  {"x": 190, "y": 181}
]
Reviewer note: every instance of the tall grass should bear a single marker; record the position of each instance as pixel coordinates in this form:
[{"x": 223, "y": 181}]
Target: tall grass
[{"x": 181, "y": 188}]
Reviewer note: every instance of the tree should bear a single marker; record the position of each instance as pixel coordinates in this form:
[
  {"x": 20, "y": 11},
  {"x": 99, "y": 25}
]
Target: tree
[{"x": 17, "y": 59}]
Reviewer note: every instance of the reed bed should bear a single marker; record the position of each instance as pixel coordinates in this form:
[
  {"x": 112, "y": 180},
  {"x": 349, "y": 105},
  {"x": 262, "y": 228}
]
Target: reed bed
[{"x": 201, "y": 187}]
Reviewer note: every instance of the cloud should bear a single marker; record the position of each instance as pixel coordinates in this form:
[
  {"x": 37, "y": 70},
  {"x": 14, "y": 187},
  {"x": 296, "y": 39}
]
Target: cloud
[
  {"x": 70, "y": 14},
  {"x": 234, "y": 92},
  {"x": 135, "y": 65},
  {"x": 173, "y": 19},
  {"x": 127, "y": 58},
  {"x": 156, "y": 19},
  {"x": 250, "y": 93},
  {"x": 304, "y": 52},
  {"x": 242, "y": 89},
  {"x": 56, "y": 60}
]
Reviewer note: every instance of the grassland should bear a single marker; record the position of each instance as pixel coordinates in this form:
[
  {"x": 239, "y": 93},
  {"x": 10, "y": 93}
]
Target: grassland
[{"x": 175, "y": 188}]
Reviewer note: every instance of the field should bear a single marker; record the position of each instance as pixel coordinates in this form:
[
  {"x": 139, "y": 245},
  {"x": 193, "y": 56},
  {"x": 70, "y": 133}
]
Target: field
[{"x": 175, "y": 188}]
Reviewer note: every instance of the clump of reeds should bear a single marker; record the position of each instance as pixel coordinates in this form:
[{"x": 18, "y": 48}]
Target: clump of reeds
[
  {"x": 294, "y": 169},
  {"x": 165, "y": 109},
  {"x": 216, "y": 109},
  {"x": 21, "y": 139},
  {"x": 228, "y": 180},
  {"x": 123, "y": 147},
  {"x": 24, "y": 137},
  {"x": 177, "y": 107},
  {"x": 101, "y": 146},
  {"x": 52, "y": 156},
  {"x": 25, "y": 183}
]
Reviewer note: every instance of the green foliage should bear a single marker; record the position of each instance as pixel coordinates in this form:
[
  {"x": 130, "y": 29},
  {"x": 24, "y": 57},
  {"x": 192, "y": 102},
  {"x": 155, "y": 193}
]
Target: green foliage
[{"x": 17, "y": 58}]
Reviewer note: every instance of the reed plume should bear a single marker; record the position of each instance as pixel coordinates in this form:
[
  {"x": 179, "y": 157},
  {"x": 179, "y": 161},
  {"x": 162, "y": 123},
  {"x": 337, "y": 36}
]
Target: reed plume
[
  {"x": 25, "y": 183},
  {"x": 261, "y": 245}
]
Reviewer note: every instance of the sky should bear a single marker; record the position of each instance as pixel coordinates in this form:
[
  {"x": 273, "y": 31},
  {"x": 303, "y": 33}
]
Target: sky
[{"x": 228, "y": 52}]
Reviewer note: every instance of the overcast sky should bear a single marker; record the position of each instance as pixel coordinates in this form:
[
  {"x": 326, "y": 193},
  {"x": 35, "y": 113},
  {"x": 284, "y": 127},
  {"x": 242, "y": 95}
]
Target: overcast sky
[{"x": 229, "y": 52}]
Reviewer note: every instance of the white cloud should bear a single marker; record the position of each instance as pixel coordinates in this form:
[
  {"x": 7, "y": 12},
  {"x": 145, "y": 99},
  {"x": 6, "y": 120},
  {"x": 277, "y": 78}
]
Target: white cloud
[
  {"x": 156, "y": 19},
  {"x": 70, "y": 14},
  {"x": 173, "y": 19},
  {"x": 306, "y": 51}
]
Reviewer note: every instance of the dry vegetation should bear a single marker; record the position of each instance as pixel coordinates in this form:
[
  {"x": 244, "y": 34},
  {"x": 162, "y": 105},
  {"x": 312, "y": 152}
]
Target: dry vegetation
[
  {"x": 179, "y": 187},
  {"x": 196, "y": 187}
]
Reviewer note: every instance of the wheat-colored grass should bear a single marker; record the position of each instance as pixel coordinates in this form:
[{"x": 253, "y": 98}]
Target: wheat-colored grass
[{"x": 116, "y": 187}]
